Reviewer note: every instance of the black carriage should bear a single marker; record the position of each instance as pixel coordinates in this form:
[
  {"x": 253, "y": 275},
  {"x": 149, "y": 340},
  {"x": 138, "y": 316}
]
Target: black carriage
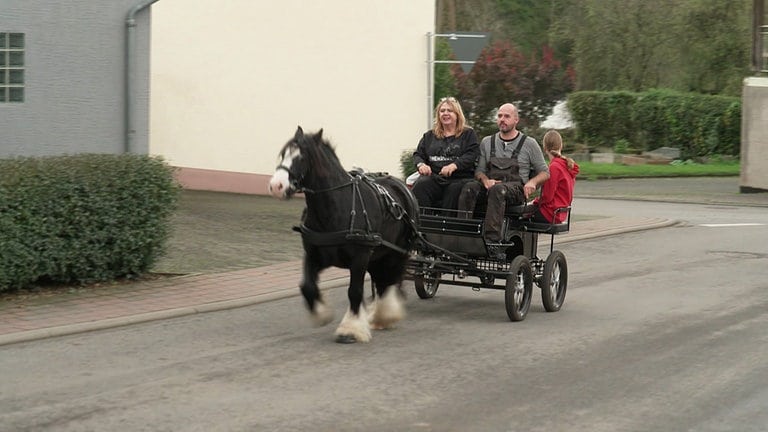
[{"x": 451, "y": 250}]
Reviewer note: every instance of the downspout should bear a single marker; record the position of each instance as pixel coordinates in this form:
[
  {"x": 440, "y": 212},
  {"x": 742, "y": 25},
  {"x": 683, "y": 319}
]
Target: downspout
[{"x": 130, "y": 59}]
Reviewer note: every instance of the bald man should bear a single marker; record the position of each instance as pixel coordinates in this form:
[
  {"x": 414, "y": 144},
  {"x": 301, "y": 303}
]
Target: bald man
[{"x": 507, "y": 159}]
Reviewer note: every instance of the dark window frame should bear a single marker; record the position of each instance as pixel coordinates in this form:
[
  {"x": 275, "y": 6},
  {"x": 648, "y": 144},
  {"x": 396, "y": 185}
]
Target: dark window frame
[{"x": 12, "y": 69}]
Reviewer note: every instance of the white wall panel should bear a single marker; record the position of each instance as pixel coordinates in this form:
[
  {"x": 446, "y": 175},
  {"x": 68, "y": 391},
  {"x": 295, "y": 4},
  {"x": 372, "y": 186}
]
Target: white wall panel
[{"x": 232, "y": 79}]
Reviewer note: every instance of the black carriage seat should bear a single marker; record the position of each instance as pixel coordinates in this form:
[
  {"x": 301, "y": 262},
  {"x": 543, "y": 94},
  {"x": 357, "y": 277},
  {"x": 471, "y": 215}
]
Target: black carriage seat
[
  {"x": 549, "y": 228},
  {"x": 520, "y": 211}
]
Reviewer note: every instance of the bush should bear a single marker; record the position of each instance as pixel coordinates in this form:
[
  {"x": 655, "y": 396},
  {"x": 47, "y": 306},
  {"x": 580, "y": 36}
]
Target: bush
[
  {"x": 602, "y": 118},
  {"x": 83, "y": 218},
  {"x": 407, "y": 167},
  {"x": 697, "y": 124},
  {"x": 621, "y": 146}
]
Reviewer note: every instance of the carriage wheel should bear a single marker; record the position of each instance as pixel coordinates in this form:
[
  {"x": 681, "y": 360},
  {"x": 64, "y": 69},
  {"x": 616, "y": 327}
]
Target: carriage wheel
[
  {"x": 517, "y": 295},
  {"x": 426, "y": 287},
  {"x": 554, "y": 281}
]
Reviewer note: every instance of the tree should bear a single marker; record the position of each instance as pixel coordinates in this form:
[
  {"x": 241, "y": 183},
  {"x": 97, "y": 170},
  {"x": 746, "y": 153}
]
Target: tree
[
  {"x": 691, "y": 45},
  {"x": 503, "y": 73},
  {"x": 717, "y": 46},
  {"x": 445, "y": 84},
  {"x": 685, "y": 45},
  {"x": 619, "y": 45}
]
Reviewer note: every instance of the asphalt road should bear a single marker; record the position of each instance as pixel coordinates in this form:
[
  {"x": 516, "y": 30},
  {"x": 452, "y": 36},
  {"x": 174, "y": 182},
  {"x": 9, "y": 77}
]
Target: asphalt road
[{"x": 661, "y": 330}]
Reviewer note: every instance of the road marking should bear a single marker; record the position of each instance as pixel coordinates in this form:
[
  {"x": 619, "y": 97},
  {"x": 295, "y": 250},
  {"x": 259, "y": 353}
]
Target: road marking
[{"x": 732, "y": 225}]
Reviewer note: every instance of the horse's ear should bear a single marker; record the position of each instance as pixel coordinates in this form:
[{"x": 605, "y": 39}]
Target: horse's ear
[
  {"x": 299, "y": 134},
  {"x": 320, "y": 134}
]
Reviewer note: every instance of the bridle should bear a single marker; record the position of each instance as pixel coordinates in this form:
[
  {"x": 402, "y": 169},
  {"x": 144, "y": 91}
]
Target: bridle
[
  {"x": 298, "y": 187},
  {"x": 295, "y": 184}
]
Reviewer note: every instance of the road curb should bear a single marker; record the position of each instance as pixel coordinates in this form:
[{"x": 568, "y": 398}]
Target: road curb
[
  {"x": 70, "y": 329},
  {"x": 649, "y": 225},
  {"x": 676, "y": 200}
]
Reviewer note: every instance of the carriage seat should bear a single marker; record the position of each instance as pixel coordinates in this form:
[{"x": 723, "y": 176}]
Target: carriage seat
[
  {"x": 521, "y": 211},
  {"x": 549, "y": 228}
]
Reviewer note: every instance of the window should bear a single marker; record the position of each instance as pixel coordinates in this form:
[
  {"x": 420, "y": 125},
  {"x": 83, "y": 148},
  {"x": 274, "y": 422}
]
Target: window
[{"x": 11, "y": 67}]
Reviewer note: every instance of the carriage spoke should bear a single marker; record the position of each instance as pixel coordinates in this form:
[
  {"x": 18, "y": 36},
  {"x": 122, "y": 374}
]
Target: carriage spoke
[
  {"x": 519, "y": 288},
  {"x": 554, "y": 283}
]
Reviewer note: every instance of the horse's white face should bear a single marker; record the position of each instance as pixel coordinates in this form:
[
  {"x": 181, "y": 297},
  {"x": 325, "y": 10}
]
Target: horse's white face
[{"x": 280, "y": 185}]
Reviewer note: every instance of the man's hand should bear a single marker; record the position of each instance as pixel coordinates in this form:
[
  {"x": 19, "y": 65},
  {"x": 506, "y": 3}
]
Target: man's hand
[
  {"x": 424, "y": 169},
  {"x": 529, "y": 189},
  {"x": 489, "y": 183}
]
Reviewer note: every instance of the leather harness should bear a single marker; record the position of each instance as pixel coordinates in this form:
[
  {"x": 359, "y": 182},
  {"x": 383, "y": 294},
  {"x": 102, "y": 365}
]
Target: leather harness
[{"x": 365, "y": 236}]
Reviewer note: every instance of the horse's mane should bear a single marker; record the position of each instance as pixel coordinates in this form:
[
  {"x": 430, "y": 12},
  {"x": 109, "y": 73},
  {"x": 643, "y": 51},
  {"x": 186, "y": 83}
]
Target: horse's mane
[{"x": 322, "y": 153}]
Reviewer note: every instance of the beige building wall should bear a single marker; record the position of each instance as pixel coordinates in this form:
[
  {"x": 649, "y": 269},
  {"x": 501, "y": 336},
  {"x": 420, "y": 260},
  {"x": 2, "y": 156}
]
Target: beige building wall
[
  {"x": 754, "y": 135},
  {"x": 232, "y": 79}
]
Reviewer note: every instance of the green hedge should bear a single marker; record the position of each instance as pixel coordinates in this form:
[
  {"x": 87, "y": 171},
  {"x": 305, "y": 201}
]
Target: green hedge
[
  {"x": 697, "y": 124},
  {"x": 407, "y": 167},
  {"x": 82, "y": 218}
]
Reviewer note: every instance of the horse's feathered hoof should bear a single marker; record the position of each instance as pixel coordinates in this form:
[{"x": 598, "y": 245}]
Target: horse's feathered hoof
[
  {"x": 346, "y": 339},
  {"x": 322, "y": 314}
]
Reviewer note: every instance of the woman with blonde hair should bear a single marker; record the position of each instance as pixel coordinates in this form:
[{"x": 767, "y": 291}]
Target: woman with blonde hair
[
  {"x": 557, "y": 191},
  {"x": 445, "y": 157}
]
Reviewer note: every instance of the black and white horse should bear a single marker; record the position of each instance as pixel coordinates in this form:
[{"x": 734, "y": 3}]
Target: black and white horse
[{"x": 352, "y": 220}]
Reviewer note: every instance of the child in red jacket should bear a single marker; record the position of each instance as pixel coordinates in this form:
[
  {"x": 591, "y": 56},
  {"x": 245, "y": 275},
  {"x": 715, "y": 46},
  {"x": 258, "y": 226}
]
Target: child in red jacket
[{"x": 558, "y": 190}]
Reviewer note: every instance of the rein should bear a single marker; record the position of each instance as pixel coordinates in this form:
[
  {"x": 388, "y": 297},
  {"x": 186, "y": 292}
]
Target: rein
[
  {"x": 319, "y": 191},
  {"x": 296, "y": 183}
]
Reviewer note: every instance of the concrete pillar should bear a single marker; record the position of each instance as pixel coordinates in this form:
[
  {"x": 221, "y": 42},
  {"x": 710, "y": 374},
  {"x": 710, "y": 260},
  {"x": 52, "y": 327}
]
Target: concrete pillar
[{"x": 754, "y": 136}]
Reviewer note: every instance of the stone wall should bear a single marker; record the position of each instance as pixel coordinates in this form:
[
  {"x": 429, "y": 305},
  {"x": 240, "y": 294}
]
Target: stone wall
[{"x": 754, "y": 135}]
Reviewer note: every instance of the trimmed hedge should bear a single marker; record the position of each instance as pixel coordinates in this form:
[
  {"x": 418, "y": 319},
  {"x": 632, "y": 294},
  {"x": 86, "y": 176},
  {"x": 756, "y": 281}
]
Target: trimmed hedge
[
  {"x": 697, "y": 124},
  {"x": 407, "y": 167},
  {"x": 82, "y": 218}
]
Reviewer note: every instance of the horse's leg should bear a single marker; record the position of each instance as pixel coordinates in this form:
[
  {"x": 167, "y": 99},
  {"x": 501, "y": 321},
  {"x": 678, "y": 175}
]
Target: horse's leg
[
  {"x": 373, "y": 291},
  {"x": 370, "y": 305},
  {"x": 354, "y": 326},
  {"x": 320, "y": 313},
  {"x": 390, "y": 307}
]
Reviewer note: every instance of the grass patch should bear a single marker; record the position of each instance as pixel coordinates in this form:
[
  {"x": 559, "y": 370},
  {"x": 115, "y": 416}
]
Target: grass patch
[{"x": 593, "y": 171}]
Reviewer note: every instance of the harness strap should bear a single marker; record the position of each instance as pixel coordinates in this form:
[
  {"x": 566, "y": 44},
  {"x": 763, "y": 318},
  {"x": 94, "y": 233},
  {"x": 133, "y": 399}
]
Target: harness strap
[
  {"x": 395, "y": 209},
  {"x": 394, "y": 246},
  {"x": 517, "y": 149},
  {"x": 321, "y": 238},
  {"x": 336, "y": 238},
  {"x": 332, "y": 188},
  {"x": 356, "y": 194}
]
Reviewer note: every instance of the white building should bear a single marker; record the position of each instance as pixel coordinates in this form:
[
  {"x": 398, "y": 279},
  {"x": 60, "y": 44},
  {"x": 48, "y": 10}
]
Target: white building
[
  {"x": 216, "y": 87},
  {"x": 231, "y": 80}
]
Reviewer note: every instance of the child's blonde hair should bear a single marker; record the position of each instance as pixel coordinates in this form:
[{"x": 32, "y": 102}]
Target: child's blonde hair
[{"x": 553, "y": 144}]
